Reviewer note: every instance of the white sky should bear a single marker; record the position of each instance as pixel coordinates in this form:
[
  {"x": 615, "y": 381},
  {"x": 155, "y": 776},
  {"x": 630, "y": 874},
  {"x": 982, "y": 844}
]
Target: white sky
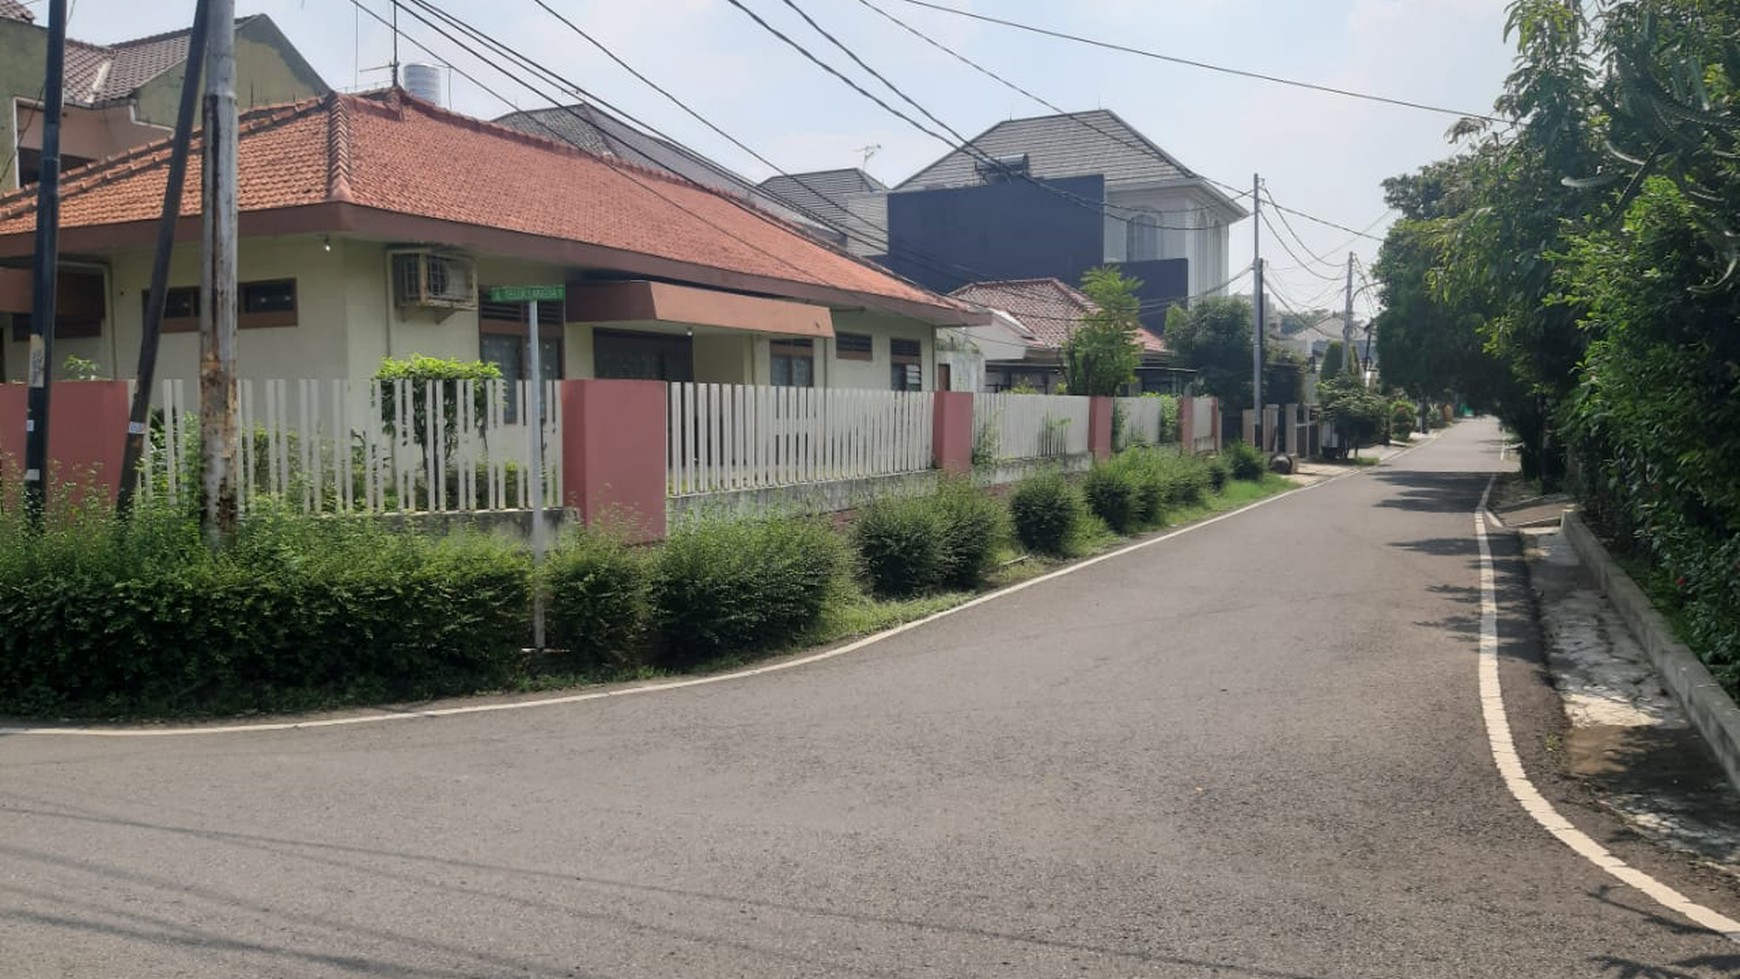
[{"x": 1320, "y": 153}]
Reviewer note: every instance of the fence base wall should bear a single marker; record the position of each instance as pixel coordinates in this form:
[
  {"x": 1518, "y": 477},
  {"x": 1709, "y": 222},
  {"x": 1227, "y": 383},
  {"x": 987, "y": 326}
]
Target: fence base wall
[
  {"x": 1007, "y": 471},
  {"x": 801, "y": 499},
  {"x": 515, "y": 524}
]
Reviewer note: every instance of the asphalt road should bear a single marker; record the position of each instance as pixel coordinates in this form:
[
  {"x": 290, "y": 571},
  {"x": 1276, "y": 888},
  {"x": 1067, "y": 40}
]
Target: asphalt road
[{"x": 1252, "y": 750}]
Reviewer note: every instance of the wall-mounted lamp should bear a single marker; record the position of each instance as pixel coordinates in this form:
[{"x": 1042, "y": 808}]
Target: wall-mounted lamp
[{"x": 326, "y": 242}]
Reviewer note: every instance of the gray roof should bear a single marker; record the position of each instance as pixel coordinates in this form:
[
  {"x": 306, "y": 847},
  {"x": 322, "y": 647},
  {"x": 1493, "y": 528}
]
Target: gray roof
[
  {"x": 1073, "y": 144},
  {"x": 97, "y": 74},
  {"x": 597, "y": 131},
  {"x": 823, "y": 192}
]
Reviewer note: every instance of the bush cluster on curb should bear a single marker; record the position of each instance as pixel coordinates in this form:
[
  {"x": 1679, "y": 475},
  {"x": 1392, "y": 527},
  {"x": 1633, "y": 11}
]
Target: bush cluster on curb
[
  {"x": 1048, "y": 513},
  {"x": 910, "y": 545}
]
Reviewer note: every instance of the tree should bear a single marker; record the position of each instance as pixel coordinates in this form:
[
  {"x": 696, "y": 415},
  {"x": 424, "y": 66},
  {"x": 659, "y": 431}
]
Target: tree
[
  {"x": 1101, "y": 356},
  {"x": 1359, "y": 414},
  {"x": 1213, "y": 337},
  {"x": 1334, "y": 362}
]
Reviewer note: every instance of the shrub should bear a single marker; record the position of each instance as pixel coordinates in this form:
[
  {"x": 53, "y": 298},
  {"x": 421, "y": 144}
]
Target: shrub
[
  {"x": 732, "y": 586},
  {"x": 597, "y": 609},
  {"x": 908, "y": 545},
  {"x": 900, "y": 545},
  {"x": 1403, "y": 419},
  {"x": 1112, "y": 490},
  {"x": 974, "y": 526},
  {"x": 1189, "y": 481},
  {"x": 1047, "y": 512},
  {"x": 1245, "y": 460},
  {"x": 100, "y": 617},
  {"x": 1218, "y": 472}
]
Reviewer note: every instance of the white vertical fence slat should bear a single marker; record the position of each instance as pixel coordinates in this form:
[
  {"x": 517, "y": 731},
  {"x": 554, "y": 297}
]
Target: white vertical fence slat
[
  {"x": 1033, "y": 426},
  {"x": 332, "y": 445},
  {"x": 735, "y": 437}
]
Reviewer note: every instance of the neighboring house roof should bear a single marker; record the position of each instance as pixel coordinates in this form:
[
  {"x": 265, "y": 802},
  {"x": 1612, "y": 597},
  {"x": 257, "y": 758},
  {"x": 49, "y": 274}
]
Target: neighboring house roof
[
  {"x": 373, "y": 161},
  {"x": 96, "y": 74},
  {"x": 1071, "y": 144},
  {"x": 824, "y": 192},
  {"x": 1050, "y": 309},
  {"x": 13, "y": 10}
]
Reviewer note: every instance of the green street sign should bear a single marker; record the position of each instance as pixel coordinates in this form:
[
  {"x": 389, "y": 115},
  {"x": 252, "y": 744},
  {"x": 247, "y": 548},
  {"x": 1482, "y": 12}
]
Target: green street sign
[{"x": 527, "y": 294}]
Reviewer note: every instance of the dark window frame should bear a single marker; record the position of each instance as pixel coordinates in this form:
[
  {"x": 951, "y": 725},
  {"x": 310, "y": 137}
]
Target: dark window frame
[
  {"x": 791, "y": 352},
  {"x": 853, "y": 352}
]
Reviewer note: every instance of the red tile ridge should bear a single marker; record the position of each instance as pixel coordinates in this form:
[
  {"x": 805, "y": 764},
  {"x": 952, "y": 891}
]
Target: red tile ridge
[{"x": 338, "y": 153}]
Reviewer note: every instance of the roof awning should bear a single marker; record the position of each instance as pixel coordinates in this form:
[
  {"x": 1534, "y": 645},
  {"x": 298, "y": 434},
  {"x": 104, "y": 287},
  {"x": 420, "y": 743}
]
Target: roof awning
[{"x": 663, "y": 302}]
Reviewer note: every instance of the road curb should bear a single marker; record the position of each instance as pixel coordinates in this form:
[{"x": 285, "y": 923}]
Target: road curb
[{"x": 1712, "y": 711}]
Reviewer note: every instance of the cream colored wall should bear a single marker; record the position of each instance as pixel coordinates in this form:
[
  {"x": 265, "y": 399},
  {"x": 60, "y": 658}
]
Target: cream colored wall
[
  {"x": 264, "y": 76},
  {"x": 577, "y": 361},
  {"x": 874, "y": 374},
  {"x": 90, "y": 133}
]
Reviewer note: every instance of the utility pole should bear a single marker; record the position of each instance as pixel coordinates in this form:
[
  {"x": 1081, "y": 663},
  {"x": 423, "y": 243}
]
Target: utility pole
[
  {"x": 217, "y": 310},
  {"x": 1257, "y": 303},
  {"x": 535, "y": 426},
  {"x": 47, "y": 277},
  {"x": 1348, "y": 351},
  {"x": 148, "y": 342}
]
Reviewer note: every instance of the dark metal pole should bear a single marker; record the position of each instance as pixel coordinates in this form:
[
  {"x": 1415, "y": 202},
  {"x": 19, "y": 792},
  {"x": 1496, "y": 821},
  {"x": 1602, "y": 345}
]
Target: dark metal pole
[
  {"x": 42, "y": 305},
  {"x": 146, "y": 376}
]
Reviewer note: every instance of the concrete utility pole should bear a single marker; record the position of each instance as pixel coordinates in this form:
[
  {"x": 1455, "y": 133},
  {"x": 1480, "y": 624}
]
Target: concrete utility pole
[
  {"x": 47, "y": 273},
  {"x": 535, "y": 427},
  {"x": 1257, "y": 302},
  {"x": 1347, "y": 347},
  {"x": 217, "y": 310}
]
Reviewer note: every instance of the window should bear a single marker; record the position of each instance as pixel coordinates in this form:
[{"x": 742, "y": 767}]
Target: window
[
  {"x": 853, "y": 346},
  {"x": 80, "y": 306},
  {"x": 180, "y": 308},
  {"x": 1142, "y": 239},
  {"x": 267, "y": 303},
  {"x": 906, "y": 372},
  {"x": 510, "y": 355},
  {"x": 642, "y": 356},
  {"x": 261, "y": 304},
  {"x": 794, "y": 363}
]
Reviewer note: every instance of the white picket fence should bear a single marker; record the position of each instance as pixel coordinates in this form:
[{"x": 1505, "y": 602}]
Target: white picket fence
[
  {"x": 328, "y": 446},
  {"x": 1204, "y": 421},
  {"x": 1030, "y": 426},
  {"x": 1144, "y": 421},
  {"x": 727, "y": 437}
]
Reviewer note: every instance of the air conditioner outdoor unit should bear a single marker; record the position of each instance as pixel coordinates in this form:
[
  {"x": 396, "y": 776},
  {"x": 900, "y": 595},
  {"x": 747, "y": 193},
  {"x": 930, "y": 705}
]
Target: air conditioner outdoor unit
[{"x": 431, "y": 280}]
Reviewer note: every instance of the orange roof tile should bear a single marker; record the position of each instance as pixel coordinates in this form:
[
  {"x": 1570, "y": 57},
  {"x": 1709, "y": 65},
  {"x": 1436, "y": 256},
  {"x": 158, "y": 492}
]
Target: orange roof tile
[{"x": 397, "y": 154}]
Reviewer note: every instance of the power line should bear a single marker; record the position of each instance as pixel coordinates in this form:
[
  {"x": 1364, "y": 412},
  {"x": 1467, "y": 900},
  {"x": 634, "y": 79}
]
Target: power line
[
  {"x": 1243, "y": 73},
  {"x": 1144, "y": 149},
  {"x": 1236, "y": 193},
  {"x": 1292, "y": 254},
  {"x": 965, "y": 144}
]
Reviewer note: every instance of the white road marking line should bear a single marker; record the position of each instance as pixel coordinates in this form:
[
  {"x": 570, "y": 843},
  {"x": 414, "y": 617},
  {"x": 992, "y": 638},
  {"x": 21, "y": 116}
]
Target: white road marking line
[
  {"x": 1510, "y": 767},
  {"x": 408, "y": 715}
]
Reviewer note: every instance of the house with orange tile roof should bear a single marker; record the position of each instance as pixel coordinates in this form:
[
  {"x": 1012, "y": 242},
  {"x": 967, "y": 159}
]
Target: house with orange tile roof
[
  {"x": 373, "y": 226},
  {"x": 1035, "y": 317}
]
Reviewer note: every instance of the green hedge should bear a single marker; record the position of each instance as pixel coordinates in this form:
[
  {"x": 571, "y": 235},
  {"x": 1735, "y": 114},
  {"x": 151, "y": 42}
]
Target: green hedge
[
  {"x": 739, "y": 586},
  {"x": 1114, "y": 492},
  {"x": 910, "y": 545},
  {"x": 1048, "y": 512},
  {"x": 102, "y": 618},
  {"x": 1245, "y": 460},
  {"x": 598, "y": 602}
]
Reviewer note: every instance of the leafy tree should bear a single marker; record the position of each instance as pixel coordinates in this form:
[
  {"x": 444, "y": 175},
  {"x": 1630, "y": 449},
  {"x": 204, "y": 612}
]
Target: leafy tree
[
  {"x": 1359, "y": 414},
  {"x": 1334, "y": 361},
  {"x": 1213, "y": 337},
  {"x": 1101, "y": 356}
]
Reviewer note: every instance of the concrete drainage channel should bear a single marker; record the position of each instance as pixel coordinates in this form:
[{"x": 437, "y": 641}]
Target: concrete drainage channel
[{"x": 1649, "y": 730}]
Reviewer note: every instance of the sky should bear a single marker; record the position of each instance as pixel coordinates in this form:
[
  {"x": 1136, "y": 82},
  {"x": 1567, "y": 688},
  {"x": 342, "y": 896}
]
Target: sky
[{"x": 1318, "y": 153}]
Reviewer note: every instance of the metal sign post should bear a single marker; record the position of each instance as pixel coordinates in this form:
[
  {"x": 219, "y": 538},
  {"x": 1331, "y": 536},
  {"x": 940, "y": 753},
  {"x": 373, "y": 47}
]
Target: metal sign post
[{"x": 531, "y": 296}]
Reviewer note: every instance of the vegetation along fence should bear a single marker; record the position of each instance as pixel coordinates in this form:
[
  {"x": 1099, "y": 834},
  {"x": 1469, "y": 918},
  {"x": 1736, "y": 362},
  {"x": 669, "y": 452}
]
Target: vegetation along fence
[
  {"x": 725, "y": 437},
  {"x": 365, "y": 446},
  {"x": 1030, "y": 426}
]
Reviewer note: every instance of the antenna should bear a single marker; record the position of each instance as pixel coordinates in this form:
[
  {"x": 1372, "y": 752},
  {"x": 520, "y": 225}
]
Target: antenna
[
  {"x": 395, "y": 63},
  {"x": 866, "y": 152}
]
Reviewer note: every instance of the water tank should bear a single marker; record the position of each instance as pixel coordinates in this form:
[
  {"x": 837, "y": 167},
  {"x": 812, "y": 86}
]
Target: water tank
[{"x": 424, "y": 81}]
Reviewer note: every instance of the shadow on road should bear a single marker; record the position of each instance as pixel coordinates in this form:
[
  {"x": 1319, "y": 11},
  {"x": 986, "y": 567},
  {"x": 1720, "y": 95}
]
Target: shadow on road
[
  {"x": 1433, "y": 492},
  {"x": 596, "y": 893}
]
